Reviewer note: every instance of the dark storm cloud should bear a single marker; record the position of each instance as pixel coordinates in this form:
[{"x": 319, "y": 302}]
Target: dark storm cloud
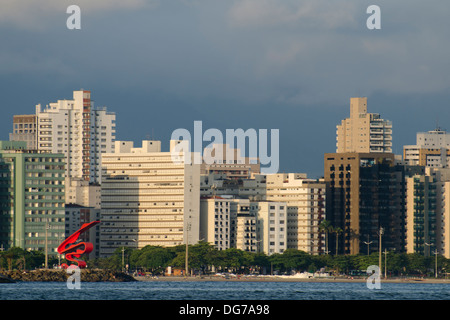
[{"x": 284, "y": 64}]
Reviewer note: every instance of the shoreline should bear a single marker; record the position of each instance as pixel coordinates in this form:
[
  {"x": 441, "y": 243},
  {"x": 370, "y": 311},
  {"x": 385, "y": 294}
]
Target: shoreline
[
  {"x": 105, "y": 276},
  {"x": 288, "y": 279}
]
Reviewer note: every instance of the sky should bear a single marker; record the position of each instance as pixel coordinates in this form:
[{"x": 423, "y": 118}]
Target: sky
[{"x": 291, "y": 65}]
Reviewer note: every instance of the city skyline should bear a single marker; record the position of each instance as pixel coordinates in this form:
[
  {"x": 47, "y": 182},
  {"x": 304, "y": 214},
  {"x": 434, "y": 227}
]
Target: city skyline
[{"x": 284, "y": 65}]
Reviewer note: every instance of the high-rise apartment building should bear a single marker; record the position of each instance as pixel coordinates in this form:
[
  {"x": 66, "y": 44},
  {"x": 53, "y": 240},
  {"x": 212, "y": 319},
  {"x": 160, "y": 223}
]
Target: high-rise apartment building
[
  {"x": 246, "y": 235},
  {"x": 82, "y": 192},
  {"x": 428, "y": 212},
  {"x": 74, "y": 128},
  {"x": 216, "y": 222},
  {"x": 365, "y": 194},
  {"x": 421, "y": 213},
  {"x": 253, "y": 226},
  {"x": 31, "y": 198},
  {"x": 25, "y": 129},
  {"x": 271, "y": 225},
  {"x": 304, "y": 199},
  {"x": 432, "y": 149},
  {"x": 240, "y": 168},
  {"x": 363, "y": 131},
  {"x": 147, "y": 198}
]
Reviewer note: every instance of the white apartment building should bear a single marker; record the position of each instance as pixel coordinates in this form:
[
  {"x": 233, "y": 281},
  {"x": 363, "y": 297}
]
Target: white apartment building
[
  {"x": 147, "y": 198},
  {"x": 82, "y": 192},
  {"x": 74, "y": 128},
  {"x": 432, "y": 149},
  {"x": 254, "y": 226},
  {"x": 271, "y": 223},
  {"x": 215, "y": 222},
  {"x": 363, "y": 131},
  {"x": 304, "y": 199}
]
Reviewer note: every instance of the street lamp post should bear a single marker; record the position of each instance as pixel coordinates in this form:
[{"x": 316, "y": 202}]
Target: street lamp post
[
  {"x": 187, "y": 248},
  {"x": 368, "y": 243},
  {"x": 380, "y": 234},
  {"x": 435, "y": 264},
  {"x": 435, "y": 259},
  {"x": 123, "y": 259},
  {"x": 46, "y": 243}
]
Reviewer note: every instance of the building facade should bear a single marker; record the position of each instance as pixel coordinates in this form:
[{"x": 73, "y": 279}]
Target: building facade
[
  {"x": 25, "y": 129},
  {"x": 271, "y": 226},
  {"x": 215, "y": 222},
  {"x": 147, "y": 198},
  {"x": 32, "y": 198},
  {"x": 432, "y": 149},
  {"x": 428, "y": 212},
  {"x": 215, "y": 162},
  {"x": 83, "y": 193},
  {"x": 363, "y": 131},
  {"x": 304, "y": 198},
  {"x": 365, "y": 197},
  {"x": 421, "y": 213},
  {"x": 253, "y": 226},
  {"x": 74, "y": 128}
]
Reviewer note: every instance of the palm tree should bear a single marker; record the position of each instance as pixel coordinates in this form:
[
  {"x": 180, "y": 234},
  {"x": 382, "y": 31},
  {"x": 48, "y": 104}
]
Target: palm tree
[
  {"x": 337, "y": 230},
  {"x": 325, "y": 226}
]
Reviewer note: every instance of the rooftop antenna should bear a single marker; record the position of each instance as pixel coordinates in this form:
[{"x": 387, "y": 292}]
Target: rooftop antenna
[{"x": 150, "y": 137}]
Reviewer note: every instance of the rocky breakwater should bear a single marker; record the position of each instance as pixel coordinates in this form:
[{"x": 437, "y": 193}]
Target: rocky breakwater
[{"x": 62, "y": 275}]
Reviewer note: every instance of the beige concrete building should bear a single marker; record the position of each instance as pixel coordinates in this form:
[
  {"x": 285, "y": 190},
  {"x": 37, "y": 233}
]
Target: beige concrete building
[
  {"x": 147, "y": 198},
  {"x": 304, "y": 198},
  {"x": 216, "y": 222},
  {"x": 25, "y": 129},
  {"x": 254, "y": 226},
  {"x": 240, "y": 168},
  {"x": 305, "y": 201},
  {"x": 83, "y": 193},
  {"x": 363, "y": 131},
  {"x": 432, "y": 149},
  {"x": 246, "y": 233},
  {"x": 428, "y": 212}
]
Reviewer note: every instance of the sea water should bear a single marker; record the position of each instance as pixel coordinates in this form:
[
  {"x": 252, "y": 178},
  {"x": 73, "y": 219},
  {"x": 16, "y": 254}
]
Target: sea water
[{"x": 223, "y": 290}]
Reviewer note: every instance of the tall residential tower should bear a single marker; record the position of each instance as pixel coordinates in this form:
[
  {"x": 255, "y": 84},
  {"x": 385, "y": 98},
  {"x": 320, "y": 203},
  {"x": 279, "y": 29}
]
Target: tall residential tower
[
  {"x": 362, "y": 131},
  {"x": 72, "y": 127},
  {"x": 147, "y": 198}
]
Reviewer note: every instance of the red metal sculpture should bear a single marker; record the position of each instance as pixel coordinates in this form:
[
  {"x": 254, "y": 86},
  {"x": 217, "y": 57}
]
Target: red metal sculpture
[{"x": 74, "y": 250}]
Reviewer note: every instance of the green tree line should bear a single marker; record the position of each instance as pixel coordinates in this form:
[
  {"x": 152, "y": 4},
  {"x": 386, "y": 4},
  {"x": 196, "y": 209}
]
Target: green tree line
[{"x": 202, "y": 256}]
